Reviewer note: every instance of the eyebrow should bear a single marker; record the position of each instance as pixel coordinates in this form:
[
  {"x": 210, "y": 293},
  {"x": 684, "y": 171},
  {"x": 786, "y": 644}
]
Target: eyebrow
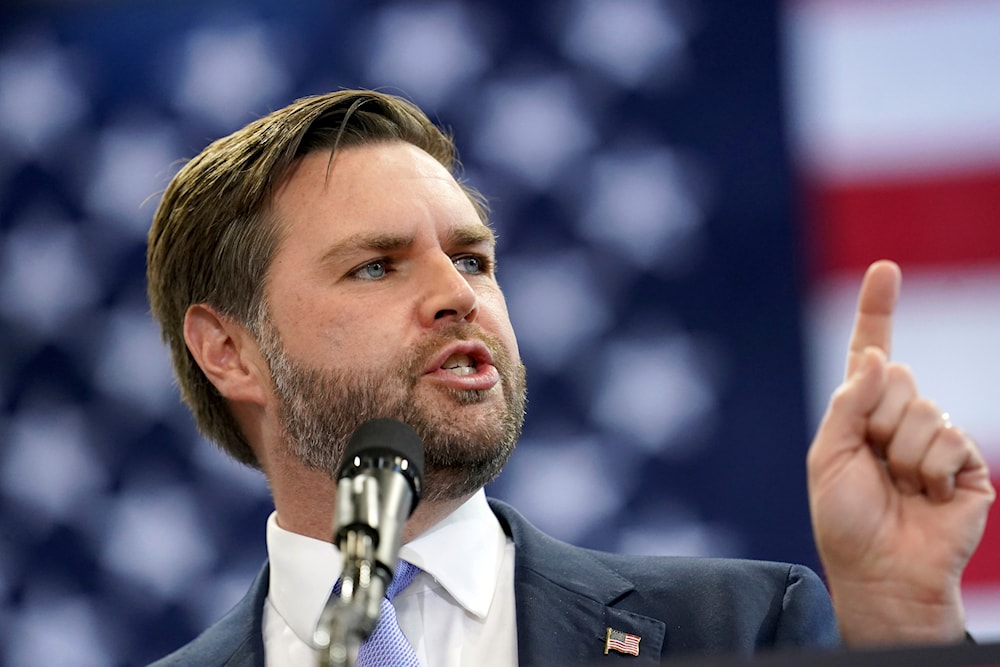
[
  {"x": 472, "y": 235},
  {"x": 466, "y": 235}
]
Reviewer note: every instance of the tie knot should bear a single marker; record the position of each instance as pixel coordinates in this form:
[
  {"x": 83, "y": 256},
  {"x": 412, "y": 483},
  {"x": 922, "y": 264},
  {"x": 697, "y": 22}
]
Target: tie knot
[{"x": 405, "y": 571}]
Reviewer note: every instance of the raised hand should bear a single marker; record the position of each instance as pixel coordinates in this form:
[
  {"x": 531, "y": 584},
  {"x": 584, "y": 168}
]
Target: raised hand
[{"x": 898, "y": 495}]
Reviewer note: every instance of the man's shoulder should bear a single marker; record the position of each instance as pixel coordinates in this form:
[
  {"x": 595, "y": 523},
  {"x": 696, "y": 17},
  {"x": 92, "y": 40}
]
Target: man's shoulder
[
  {"x": 719, "y": 603},
  {"x": 233, "y": 641},
  {"x": 538, "y": 546}
]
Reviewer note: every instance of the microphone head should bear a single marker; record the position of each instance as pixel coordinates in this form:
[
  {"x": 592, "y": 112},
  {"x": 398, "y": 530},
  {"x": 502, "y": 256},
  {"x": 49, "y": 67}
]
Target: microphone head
[{"x": 384, "y": 441}]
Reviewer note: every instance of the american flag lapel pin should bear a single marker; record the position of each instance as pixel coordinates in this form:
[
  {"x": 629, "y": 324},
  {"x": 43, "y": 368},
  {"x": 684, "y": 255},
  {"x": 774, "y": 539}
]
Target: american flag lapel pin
[{"x": 623, "y": 642}]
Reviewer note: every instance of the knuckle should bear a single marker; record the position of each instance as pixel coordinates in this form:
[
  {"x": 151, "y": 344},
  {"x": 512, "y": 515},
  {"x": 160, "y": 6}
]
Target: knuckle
[
  {"x": 924, "y": 407},
  {"x": 900, "y": 373},
  {"x": 880, "y": 428},
  {"x": 841, "y": 397}
]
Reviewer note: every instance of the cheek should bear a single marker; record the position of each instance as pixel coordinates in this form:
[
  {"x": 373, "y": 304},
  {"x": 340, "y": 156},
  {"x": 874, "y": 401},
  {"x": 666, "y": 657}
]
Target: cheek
[
  {"x": 494, "y": 311},
  {"x": 359, "y": 340},
  {"x": 335, "y": 338}
]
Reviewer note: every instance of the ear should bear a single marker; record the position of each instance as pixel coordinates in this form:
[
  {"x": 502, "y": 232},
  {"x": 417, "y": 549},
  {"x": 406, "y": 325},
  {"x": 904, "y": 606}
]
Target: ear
[{"x": 227, "y": 354}]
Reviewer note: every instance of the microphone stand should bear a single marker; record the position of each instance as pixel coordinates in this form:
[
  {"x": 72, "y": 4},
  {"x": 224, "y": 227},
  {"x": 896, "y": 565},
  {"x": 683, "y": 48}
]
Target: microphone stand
[
  {"x": 349, "y": 618},
  {"x": 378, "y": 487}
]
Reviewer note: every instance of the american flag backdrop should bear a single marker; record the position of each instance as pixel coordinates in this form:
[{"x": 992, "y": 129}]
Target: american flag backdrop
[{"x": 686, "y": 193}]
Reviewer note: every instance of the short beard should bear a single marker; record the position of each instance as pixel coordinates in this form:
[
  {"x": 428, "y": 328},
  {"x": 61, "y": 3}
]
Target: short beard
[{"x": 320, "y": 409}]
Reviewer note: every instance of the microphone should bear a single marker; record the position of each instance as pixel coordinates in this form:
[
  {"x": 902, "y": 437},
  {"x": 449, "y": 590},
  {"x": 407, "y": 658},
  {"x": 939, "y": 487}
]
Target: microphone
[{"x": 378, "y": 486}]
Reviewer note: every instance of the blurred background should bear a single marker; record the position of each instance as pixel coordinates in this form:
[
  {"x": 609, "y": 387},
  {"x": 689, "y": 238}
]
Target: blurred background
[{"x": 686, "y": 194}]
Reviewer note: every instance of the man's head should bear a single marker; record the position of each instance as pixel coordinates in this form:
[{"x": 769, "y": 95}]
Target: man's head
[{"x": 254, "y": 233}]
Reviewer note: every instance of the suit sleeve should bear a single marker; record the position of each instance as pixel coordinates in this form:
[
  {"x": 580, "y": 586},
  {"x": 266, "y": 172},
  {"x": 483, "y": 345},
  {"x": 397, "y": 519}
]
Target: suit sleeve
[{"x": 807, "y": 617}]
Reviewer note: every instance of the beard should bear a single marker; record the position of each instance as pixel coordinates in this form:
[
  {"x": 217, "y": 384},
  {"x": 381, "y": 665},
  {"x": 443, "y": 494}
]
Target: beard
[{"x": 319, "y": 410}]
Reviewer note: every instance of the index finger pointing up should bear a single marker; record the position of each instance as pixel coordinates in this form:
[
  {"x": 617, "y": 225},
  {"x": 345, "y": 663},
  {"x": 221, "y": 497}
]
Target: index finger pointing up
[{"x": 876, "y": 303}]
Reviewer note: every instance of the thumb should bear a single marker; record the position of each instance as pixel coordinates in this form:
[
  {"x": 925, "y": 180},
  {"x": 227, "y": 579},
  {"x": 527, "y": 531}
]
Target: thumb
[{"x": 845, "y": 423}]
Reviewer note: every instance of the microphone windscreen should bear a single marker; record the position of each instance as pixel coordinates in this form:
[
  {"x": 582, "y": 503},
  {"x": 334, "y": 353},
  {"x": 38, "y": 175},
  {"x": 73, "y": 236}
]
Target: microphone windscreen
[{"x": 386, "y": 438}]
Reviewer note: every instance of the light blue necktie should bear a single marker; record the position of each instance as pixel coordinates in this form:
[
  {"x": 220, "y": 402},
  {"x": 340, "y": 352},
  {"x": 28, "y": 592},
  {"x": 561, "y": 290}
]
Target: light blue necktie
[{"x": 387, "y": 646}]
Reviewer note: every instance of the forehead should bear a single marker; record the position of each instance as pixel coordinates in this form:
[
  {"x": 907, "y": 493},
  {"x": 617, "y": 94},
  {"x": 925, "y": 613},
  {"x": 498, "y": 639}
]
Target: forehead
[{"x": 383, "y": 184}]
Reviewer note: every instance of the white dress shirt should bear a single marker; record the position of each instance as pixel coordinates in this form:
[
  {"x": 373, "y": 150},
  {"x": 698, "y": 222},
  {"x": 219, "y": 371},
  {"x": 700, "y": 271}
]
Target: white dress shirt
[{"x": 457, "y": 612}]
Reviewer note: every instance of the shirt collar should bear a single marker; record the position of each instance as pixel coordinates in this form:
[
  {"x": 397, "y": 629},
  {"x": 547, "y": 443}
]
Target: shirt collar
[
  {"x": 469, "y": 572},
  {"x": 304, "y": 569},
  {"x": 303, "y": 572}
]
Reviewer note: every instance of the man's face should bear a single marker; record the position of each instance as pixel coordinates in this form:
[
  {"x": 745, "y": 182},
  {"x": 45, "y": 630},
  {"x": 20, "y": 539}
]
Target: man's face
[{"x": 382, "y": 302}]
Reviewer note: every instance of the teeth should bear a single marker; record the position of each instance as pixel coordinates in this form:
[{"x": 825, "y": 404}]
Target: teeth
[{"x": 460, "y": 364}]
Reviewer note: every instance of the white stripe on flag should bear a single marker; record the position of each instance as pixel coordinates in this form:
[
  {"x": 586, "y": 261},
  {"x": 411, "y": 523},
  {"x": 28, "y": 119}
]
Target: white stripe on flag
[
  {"x": 982, "y": 609},
  {"x": 892, "y": 87}
]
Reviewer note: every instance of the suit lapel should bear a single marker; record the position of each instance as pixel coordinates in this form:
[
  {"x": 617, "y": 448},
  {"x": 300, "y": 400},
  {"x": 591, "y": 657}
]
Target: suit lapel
[
  {"x": 249, "y": 613},
  {"x": 564, "y": 599}
]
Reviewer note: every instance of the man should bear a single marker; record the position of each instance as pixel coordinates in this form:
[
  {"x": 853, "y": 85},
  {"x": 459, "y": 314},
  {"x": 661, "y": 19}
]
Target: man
[{"x": 323, "y": 266}]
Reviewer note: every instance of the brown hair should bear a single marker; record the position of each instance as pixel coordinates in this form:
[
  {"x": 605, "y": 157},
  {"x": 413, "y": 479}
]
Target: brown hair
[{"x": 213, "y": 235}]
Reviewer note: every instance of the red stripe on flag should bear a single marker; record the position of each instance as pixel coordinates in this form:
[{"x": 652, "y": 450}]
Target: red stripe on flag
[
  {"x": 941, "y": 220},
  {"x": 984, "y": 568}
]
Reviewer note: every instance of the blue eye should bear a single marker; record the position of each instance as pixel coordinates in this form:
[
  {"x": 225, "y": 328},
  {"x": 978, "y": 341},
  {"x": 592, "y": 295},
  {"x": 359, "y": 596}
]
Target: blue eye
[
  {"x": 372, "y": 271},
  {"x": 470, "y": 264}
]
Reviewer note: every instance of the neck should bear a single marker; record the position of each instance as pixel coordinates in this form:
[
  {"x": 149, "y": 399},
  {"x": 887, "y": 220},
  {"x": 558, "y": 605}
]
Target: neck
[{"x": 305, "y": 501}]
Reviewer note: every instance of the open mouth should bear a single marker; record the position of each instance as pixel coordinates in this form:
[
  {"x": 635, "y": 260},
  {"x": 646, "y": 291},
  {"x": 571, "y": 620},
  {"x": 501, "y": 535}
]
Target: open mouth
[
  {"x": 465, "y": 365},
  {"x": 460, "y": 364}
]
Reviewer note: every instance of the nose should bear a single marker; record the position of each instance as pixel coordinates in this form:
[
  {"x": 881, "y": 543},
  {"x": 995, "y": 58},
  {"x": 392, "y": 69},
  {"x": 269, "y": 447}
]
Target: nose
[{"x": 448, "y": 296}]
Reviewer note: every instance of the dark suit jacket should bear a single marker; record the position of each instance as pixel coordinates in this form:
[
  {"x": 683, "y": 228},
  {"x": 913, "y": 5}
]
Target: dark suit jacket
[{"x": 566, "y": 598}]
